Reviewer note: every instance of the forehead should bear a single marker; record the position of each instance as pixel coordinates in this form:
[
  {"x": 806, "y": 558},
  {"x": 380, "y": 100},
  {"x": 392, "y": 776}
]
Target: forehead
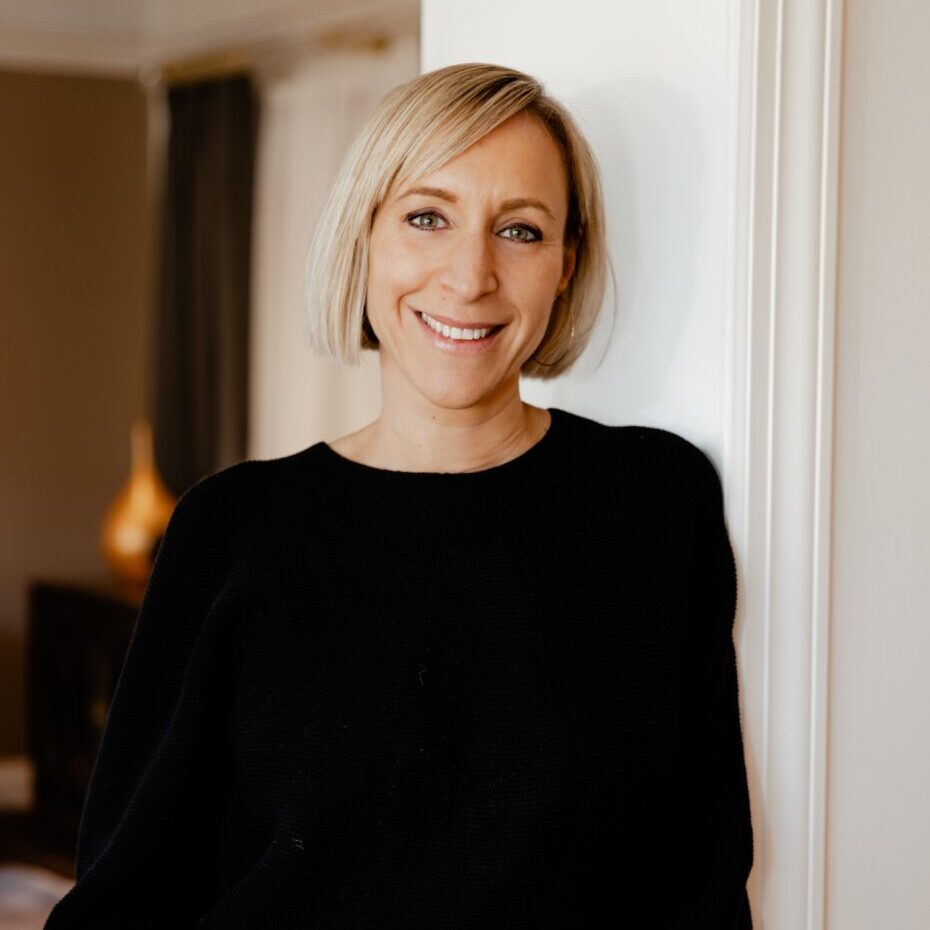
[{"x": 518, "y": 158}]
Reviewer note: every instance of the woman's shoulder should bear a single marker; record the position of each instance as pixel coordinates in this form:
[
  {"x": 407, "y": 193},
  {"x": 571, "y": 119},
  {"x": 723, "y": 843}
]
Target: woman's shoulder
[
  {"x": 239, "y": 501},
  {"x": 255, "y": 478},
  {"x": 659, "y": 450}
]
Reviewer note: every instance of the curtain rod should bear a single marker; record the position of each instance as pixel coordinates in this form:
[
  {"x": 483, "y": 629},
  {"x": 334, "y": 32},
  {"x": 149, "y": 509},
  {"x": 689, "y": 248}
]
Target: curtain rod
[{"x": 226, "y": 62}]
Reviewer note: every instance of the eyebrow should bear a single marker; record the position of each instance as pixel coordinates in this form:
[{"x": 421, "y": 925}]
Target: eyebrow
[{"x": 510, "y": 204}]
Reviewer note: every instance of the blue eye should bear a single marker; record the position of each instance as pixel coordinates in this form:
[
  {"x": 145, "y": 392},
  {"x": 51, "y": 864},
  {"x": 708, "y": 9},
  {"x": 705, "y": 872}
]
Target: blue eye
[{"x": 534, "y": 233}]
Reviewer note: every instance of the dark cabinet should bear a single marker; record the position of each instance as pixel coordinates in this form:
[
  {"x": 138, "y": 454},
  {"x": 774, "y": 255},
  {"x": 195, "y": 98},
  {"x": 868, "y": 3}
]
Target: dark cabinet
[{"x": 77, "y": 641}]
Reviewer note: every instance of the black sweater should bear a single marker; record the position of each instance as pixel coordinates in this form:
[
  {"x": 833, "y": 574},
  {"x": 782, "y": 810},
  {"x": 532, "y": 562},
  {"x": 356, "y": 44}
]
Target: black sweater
[{"x": 363, "y": 698}]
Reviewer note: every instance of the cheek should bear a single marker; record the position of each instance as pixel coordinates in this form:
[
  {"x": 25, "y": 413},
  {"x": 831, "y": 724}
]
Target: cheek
[
  {"x": 394, "y": 270},
  {"x": 535, "y": 291}
]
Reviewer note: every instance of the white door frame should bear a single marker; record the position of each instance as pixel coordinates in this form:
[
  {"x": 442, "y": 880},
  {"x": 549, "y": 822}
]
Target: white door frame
[{"x": 778, "y": 449}]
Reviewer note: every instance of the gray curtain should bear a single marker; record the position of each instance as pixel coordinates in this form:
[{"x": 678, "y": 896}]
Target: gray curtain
[{"x": 200, "y": 369}]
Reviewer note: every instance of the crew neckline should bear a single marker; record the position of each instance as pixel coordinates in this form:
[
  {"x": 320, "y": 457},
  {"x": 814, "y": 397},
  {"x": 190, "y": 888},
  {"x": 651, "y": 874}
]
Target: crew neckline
[{"x": 516, "y": 464}]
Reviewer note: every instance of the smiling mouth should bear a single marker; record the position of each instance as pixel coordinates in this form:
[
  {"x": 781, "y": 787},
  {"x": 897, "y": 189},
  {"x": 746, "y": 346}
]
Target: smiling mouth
[{"x": 459, "y": 334}]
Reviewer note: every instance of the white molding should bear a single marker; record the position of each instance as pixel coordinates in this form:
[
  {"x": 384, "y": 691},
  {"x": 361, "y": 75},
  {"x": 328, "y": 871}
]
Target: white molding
[
  {"x": 823, "y": 454},
  {"x": 786, "y": 93},
  {"x": 124, "y": 52},
  {"x": 70, "y": 52}
]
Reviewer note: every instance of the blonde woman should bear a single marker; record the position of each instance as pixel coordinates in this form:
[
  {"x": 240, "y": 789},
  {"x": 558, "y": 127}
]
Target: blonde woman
[{"x": 471, "y": 666}]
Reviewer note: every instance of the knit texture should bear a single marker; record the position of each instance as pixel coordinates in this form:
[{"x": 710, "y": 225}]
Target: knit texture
[{"x": 363, "y": 698}]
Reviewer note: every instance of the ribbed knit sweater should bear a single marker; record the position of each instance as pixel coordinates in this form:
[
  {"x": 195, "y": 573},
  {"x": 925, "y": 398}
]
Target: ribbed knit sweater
[{"x": 364, "y": 698}]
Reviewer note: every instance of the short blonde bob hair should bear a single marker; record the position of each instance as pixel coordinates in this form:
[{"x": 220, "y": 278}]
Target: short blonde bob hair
[{"x": 417, "y": 128}]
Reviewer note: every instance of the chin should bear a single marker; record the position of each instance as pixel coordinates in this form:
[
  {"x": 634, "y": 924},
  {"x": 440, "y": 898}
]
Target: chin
[{"x": 455, "y": 396}]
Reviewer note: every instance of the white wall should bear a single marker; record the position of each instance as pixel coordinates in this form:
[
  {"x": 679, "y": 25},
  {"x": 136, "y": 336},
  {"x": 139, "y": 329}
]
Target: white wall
[
  {"x": 649, "y": 83},
  {"x": 656, "y": 89},
  {"x": 774, "y": 306},
  {"x": 879, "y": 784}
]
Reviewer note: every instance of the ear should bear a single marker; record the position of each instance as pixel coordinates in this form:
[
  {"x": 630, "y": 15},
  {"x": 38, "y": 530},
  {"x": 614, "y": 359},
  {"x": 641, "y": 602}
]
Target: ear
[{"x": 568, "y": 267}]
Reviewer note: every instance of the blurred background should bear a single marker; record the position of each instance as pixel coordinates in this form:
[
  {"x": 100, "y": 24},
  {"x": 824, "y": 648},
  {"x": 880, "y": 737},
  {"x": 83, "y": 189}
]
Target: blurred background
[{"x": 162, "y": 167}]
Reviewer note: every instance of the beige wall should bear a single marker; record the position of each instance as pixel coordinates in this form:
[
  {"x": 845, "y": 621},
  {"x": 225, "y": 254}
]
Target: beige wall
[
  {"x": 73, "y": 331},
  {"x": 879, "y": 763}
]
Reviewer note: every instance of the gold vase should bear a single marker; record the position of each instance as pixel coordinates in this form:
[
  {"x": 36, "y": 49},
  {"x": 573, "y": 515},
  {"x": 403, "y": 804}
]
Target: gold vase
[{"x": 133, "y": 524}]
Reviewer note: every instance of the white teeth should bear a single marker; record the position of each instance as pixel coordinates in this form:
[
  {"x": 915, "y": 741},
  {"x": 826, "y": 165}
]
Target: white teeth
[{"x": 453, "y": 332}]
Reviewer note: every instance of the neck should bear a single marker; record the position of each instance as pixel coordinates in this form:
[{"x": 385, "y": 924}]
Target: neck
[{"x": 414, "y": 434}]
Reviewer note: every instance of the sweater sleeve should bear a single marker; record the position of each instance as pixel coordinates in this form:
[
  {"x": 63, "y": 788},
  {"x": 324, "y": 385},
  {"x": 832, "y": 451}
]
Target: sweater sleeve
[
  {"x": 148, "y": 836},
  {"x": 716, "y": 848}
]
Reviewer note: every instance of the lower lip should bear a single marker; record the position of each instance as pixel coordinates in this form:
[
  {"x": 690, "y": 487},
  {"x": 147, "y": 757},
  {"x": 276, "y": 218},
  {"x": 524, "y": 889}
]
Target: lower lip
[{"x": 459, "y": 346}]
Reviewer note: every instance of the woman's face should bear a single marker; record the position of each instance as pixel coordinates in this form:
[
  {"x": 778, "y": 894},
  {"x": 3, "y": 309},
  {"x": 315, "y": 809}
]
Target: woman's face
[{"x": 466, "y": 246}]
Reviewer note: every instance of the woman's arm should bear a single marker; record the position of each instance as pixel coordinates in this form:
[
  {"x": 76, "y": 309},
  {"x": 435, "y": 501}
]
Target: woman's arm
[
  {"x": 148, "y": 836},
  {"x": 716, "y": 851}
]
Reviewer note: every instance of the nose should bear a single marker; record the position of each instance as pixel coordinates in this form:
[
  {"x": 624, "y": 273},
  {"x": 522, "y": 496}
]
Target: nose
[{"x": 468, "y": 270}]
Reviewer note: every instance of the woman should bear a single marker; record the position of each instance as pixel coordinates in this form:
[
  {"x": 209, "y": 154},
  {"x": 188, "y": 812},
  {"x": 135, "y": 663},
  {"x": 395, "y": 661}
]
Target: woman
[{"x": 471, "y": 666}]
